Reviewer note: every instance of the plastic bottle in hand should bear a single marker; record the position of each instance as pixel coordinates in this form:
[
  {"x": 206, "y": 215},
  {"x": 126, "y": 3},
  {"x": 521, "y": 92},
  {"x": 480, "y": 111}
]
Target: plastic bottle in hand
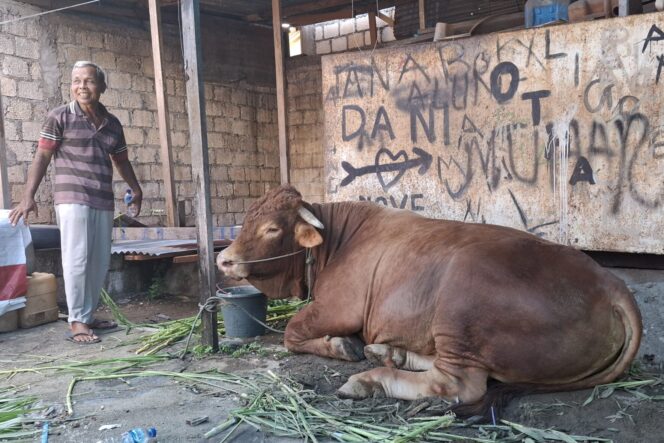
[
  {"x": 131, "y": 208},
  {"x": 140, "y": 435}
]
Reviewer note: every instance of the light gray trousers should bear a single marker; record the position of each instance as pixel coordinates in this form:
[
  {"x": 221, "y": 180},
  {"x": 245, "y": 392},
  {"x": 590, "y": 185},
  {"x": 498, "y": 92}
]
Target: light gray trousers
[{"x": 85, "y": 241}]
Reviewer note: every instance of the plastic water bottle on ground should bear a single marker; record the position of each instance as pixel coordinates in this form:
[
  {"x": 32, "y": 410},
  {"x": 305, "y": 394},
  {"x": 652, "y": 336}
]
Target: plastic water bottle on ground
[{"x": 140, "y": 435}]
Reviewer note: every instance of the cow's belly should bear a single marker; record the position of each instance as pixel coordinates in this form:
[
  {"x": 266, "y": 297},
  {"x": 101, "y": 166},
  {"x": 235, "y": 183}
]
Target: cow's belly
[
  {"x": 403, "y": 322},
  {"x": 516, "y": 341}
]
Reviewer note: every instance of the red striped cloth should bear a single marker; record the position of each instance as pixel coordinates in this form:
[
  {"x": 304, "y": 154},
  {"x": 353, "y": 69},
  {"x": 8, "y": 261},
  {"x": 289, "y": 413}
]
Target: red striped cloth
[{"x": 13, "y": 268}]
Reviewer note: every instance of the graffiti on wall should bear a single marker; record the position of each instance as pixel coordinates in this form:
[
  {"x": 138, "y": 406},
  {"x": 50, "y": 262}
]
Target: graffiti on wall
[{"x": 557, "y": 131}]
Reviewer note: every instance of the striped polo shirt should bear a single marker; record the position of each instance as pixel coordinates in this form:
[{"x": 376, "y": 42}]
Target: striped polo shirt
[{"x": 82, "y": 155}]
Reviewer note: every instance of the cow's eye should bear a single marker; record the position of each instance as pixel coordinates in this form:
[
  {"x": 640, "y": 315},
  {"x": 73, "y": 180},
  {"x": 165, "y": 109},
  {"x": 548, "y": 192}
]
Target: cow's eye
[{"x": 273, "y": 230}]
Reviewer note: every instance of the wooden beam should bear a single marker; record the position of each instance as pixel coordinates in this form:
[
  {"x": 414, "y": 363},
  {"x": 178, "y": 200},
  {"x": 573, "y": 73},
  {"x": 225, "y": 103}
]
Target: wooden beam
[
  {"x": 373, "y": 29},
  {"x": 623, "y": 8},
  {"x": 306, "y": 8},
  {"x": 192, "y": 258},
  {"x": 608, "y": 9},
  {"x": 5, "y": 196},
  {"x": 200, "y": 164},
  {"x": 423, "y": 22},
  {"x": 162, "y": 114},
  {"x": 281, "y": 91},
  {"x": 387, "y": 19},
  {"x": 310, "y": 19},
  {"x": 629, "y": 7}
]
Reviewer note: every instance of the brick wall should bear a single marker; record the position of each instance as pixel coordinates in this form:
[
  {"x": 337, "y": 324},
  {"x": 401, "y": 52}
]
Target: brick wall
[
  {"x": 342, "y": 35},
  {"x": 305, "y": 126},
  {"x": 36, "y": 56}
]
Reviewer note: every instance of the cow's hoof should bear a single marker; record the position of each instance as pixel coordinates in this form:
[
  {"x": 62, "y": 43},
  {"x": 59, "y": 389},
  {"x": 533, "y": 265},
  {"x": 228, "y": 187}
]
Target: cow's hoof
[
  {"x": 385, "y": 355},
  {"x": 357, "y": 389},
  {"x": 348, "y": 348}
]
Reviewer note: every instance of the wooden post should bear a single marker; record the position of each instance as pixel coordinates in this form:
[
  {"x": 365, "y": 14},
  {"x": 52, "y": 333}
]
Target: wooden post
[
  {"x": 423, "y": 22},
  {"x": 281, "y": 91},
  {"x": 5, "y": 196},
  {"x": 373, "y": 31},
  {"x": 608, "y": 9},
  {"x": 200, "y": 164},
  {"x": 162, "y": 114},
  {"x": 629, "y": 7}
]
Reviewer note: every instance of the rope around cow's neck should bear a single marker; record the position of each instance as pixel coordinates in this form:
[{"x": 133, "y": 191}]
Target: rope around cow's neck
[
  {"x": 267, "y": 259},
  {"x": 214, "y": 301}
]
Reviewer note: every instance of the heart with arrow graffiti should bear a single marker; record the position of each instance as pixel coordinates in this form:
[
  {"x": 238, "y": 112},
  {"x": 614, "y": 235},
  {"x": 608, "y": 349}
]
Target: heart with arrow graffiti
[
  {"x": 385, "y": 171},
  {"x": 388, "y": 167}
]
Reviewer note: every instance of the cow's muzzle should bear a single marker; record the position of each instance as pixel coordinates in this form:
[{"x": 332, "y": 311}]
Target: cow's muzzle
[{"x": 227, "y": 264}]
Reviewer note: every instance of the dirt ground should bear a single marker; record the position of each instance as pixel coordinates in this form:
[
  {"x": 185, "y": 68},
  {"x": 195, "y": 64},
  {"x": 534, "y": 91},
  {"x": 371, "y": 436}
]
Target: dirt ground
[{"x": 167, "y": 403}]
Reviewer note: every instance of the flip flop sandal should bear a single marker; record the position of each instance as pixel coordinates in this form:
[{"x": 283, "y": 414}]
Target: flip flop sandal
[
  {"x": 103, "y": 324},
  {"x": 70, "y": 336}
]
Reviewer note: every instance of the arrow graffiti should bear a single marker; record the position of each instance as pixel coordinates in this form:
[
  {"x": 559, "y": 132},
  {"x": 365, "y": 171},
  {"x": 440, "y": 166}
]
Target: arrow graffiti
[{"x": 389, "y": 172}]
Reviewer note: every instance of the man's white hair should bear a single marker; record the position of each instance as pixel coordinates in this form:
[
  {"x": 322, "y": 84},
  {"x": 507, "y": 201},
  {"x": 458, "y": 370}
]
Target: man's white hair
[{"x": 100, "y": 74}]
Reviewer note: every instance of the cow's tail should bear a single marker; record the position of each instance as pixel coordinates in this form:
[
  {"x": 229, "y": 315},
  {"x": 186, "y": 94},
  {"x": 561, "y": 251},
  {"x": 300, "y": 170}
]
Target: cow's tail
[{"x": 499, "y": 394}]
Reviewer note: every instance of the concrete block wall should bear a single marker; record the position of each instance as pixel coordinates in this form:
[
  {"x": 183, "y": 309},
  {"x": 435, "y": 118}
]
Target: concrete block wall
[
  {"x": 348, "y": 34},
  {"x": 305, "y": 126},
  {"x": 36, "y": 56}
]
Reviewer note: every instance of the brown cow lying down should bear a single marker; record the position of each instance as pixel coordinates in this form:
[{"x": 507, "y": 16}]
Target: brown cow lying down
[{"x": 442, "y": 306}]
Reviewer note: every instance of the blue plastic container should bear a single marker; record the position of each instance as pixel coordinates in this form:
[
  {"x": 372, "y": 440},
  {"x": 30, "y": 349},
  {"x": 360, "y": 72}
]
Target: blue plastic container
[{"x": 541, "y": 12}]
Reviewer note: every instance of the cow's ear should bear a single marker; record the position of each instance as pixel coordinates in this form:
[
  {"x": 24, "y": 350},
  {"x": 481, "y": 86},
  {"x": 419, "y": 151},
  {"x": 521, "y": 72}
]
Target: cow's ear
[{"x": 307, "y": 236}]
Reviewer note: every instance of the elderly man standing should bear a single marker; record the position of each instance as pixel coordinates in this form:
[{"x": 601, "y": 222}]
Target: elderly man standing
[{"x": 83, "y": 138}]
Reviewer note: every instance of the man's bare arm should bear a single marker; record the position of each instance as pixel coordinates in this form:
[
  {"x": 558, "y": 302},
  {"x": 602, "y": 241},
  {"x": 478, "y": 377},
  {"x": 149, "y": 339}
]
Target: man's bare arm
[{"x": 35, "y": 176}]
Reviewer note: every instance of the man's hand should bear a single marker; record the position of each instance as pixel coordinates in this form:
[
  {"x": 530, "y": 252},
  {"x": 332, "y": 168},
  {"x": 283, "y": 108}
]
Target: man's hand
[
  {"x": 137, "y": 201},
  {"x": 35, "y": 175},
  {"x": 24, "y": 208}
]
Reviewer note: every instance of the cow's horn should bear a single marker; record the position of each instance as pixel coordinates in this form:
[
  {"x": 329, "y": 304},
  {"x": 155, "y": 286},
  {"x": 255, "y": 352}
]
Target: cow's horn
[{"x": 310, "y": 218}]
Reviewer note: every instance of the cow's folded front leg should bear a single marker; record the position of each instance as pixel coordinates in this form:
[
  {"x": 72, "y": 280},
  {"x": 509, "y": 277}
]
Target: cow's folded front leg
[
  {"x": 309, "y": 332},
  {"x": 393, "y": 357},
  {"x": 406, "y": 385}
]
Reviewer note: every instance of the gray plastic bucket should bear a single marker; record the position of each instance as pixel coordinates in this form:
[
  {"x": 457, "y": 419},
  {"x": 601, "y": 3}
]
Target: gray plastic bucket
[{"x": 238, "y": 301}]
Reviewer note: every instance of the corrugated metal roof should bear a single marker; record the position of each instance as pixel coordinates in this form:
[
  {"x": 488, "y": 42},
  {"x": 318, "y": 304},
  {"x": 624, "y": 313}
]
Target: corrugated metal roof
[
  {"x": 153, "y": 248},
  {"x": 157, "y": 247},
  {"x": 407, "y": 18}
]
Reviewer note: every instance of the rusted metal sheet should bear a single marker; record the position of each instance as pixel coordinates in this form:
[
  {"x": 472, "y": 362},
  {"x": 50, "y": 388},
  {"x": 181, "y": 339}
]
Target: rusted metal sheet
[
  {"x": 448, "y": 11},
  {"x": 159, "y": 248},
  {"x": 161, "y": 233},
  {"x": 558, "y": 131}
]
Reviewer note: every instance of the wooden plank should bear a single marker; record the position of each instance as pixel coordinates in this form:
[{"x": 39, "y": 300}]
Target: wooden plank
[
  {"x": 629, "y": 7},
  {"x": 145, "y": 257},
  {"x": 309, "y": 19},
  {"x": 307, "y": 8},
  {"x": 162, "y": 114},
  {"x": 281, "y": 91},
  {"x": 387, "y": 19},
  {"x": 200, "y": 164},
  {"x": 5, "y": 196},
  {"x": 299, "y": 13},
  {"x": 623, "y": 8},
  {"x": 373, "y": 29},
  {"x": 608, "y": 9},
  {"x": 423, "y": 22},
  {"x": 192, "y": 258}
]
